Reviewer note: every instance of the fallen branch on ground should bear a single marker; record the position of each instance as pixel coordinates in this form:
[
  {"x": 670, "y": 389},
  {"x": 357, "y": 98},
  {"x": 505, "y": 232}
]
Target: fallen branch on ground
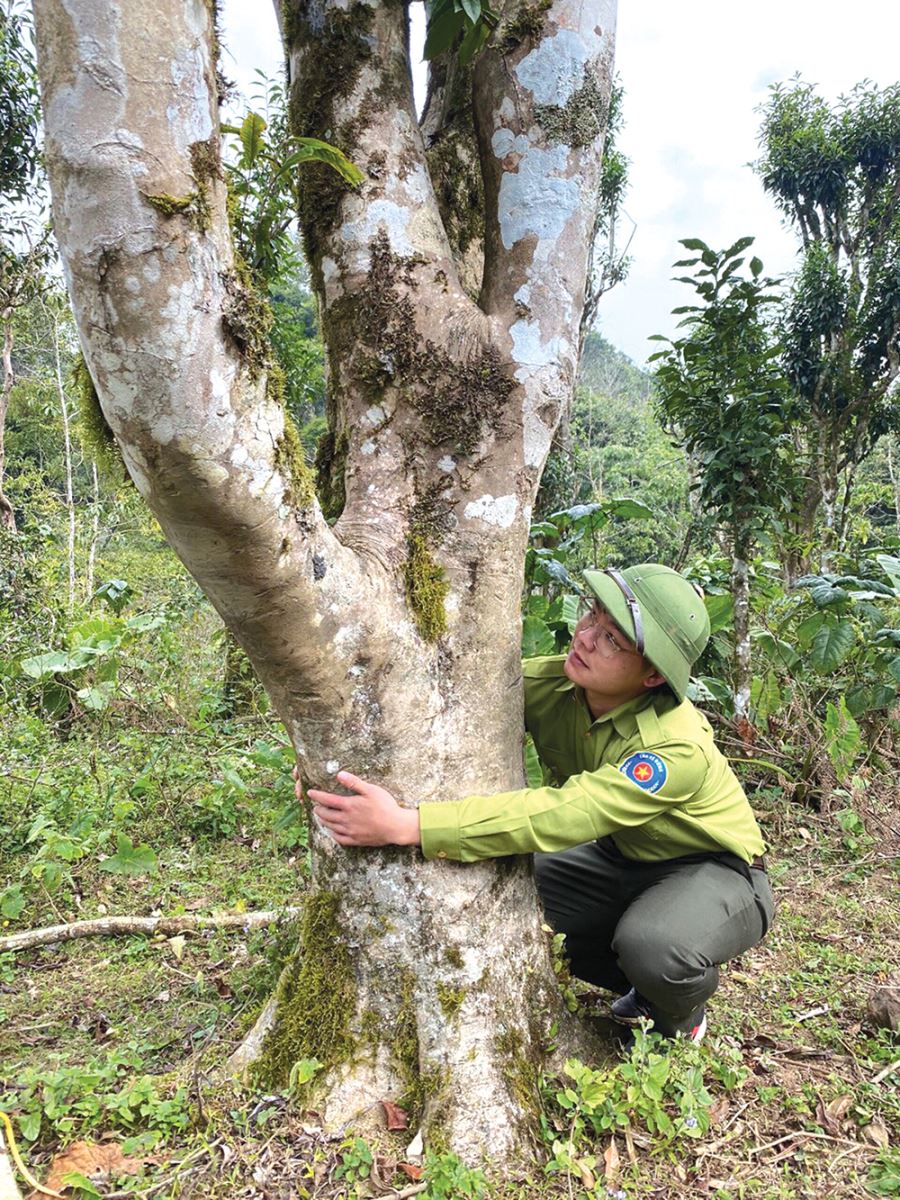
[{"x": 117, "y": 926}]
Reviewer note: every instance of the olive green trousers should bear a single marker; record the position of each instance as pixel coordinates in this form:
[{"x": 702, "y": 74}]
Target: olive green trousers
[{"x": 661, "y": 927}]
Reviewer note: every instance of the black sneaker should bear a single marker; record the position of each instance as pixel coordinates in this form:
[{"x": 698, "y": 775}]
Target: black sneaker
[{"x": 630, "y": 1008}]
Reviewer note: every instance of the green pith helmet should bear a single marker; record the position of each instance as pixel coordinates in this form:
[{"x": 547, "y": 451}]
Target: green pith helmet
[{"x": 671, "y": 616}]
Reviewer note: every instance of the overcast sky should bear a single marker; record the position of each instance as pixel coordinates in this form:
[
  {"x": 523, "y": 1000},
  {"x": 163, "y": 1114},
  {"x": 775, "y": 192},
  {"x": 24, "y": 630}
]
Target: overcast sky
[{"x": 694, "y": 74}]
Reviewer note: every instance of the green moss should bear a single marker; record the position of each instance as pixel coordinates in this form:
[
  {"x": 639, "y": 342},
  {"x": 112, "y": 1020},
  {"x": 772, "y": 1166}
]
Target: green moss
[
  {"x": 426, "y": 585},
  {"x": 290, "y": 460},
  {"x": 458, "y": 185},
  {"x": 206, "y": 161},
  {"x": 276, "y": 384},
  {"x": 206, "y": 166},
  {"x": 450, "y": 999},
  {"x": 315, "y": 999},
  {"x": 522, "y": 1077},
  {"x": 247, "y": 318},
  {"x": 581, "y": 120},
  {"x": 527, "y": 25},
  {"x": 426, "y": 589},
  {"x": 374, "y": 332},
  {"x": 171, "y": 206},
  {"x": 97, "y": 439},
  {"x": 331, "y": 461},
  {"x": 453, "y": 957}
]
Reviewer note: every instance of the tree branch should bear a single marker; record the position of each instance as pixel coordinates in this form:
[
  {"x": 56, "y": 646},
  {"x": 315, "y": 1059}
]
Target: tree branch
[
  {"x": 123, "y": 926},
  {"x": 541, "y": 108}
]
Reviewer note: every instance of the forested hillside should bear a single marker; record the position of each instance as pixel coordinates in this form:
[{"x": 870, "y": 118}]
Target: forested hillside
[{"x": 145, "y": 772}]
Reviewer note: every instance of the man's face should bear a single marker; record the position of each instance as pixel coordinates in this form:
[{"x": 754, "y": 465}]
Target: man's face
[{"x": 604, "y": 661}]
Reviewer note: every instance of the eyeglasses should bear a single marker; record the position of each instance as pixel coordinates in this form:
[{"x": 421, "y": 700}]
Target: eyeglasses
[{"x": 593, "y": 618}]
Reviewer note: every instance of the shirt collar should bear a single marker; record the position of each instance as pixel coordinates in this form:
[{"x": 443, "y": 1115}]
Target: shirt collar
[{"x": 623, "y": 718}]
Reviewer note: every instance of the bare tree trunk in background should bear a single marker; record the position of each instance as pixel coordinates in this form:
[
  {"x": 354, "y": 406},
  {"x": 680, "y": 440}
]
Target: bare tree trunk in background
[
  {"x": 894, "y": 475},
  {"x": 95, "y": 534},
  {"x": 7, "y": 516},
  {"x": 67, "y": 451},
  {"x": 740, "y": 587},
  {"x": 389, "y": 643}
]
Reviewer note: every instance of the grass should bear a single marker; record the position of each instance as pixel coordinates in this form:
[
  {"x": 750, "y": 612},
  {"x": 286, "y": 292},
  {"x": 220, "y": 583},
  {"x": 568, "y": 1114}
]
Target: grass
[{"x": 806, "y": 1121}]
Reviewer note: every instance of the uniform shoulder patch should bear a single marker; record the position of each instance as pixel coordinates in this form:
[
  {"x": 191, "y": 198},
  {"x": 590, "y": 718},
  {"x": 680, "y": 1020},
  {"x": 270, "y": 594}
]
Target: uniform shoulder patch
[{"x": 647, "y": 770}]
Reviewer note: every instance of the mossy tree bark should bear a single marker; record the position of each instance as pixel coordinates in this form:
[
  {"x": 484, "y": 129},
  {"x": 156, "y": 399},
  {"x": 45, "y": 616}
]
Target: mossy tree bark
[{"x": 388, "y": 641}]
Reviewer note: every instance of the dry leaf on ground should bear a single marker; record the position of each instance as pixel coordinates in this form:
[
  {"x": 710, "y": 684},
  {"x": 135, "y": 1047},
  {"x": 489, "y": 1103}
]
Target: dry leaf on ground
[
  {"x": 396, "y": 1118},
  {"x": 611, "y": 1162},
  {"x": 95, "y": 1162}
]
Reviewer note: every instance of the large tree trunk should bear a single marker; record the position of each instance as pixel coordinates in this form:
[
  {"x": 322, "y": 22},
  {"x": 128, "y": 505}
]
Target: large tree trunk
[{"x": 388, "y": 643}]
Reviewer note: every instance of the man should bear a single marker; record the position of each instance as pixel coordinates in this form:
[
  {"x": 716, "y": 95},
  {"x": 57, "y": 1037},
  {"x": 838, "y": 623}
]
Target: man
[{"x": 647, "y": 854}]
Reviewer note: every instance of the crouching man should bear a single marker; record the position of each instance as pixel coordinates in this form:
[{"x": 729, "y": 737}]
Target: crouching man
[{"x": 647, "y": 854}]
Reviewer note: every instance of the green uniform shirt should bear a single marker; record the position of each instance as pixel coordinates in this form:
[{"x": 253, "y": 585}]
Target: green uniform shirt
[{"x": 648, "y": 773}]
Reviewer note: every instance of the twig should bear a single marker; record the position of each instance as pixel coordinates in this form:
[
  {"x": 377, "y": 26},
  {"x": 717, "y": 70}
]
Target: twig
[
  {"x": 801, "y": 1135},
  {"x": 852, "y": 1150},
  {"x": 413, "y": 1190},
  {"x": 813, "y": 1012},
  {"x": 117, "y": 926},
  {"x": 882, "y": 1075}
]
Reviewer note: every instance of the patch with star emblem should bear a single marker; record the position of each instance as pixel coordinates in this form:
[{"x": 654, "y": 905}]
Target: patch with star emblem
[{"x": 647, "y": 770}]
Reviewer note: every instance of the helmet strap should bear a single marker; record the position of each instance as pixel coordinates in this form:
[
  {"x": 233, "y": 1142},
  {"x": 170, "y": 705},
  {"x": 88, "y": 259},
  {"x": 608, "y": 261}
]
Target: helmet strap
[{"x": 631, "y": 600}]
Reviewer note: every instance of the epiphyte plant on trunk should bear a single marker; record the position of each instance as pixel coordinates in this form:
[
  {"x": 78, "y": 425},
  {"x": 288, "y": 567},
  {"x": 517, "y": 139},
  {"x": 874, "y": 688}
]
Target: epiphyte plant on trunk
[{"x": 388, "y": 641}]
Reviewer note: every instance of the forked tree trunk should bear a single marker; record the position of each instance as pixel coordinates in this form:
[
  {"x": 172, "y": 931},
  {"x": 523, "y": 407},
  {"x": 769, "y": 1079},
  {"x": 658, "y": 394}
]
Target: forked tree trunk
[{"x": 388, "y": 643}]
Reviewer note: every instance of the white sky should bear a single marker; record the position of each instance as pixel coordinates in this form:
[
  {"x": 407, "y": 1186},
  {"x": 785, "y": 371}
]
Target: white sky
[{"x": 694, "y": 72}]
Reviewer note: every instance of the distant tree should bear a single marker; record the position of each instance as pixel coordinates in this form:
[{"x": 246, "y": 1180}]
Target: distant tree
[
  {"x": 835, "y": 174},
  {"x": 19, "y": 111},
  {"x": 722, "y": 395},
  {"x": 23, "y": 248}
]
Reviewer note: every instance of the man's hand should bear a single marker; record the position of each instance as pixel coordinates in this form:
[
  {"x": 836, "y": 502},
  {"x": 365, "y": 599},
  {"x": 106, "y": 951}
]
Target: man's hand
[{"x": 370, "y": 817}]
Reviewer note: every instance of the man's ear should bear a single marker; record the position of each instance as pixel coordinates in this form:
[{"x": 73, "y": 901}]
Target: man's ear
[{"x": 654, "y": 679}]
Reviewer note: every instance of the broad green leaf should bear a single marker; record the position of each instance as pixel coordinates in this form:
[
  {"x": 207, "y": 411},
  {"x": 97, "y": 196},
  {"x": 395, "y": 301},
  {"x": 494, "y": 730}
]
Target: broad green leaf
[
  {"x": 634, "y": 510},
  {"x": 43, "y": 666},
  {"x": 765, "y": 695},
  {"x": 842, "y": 738},
  {"x": 870, "y": 698},
  {"x": 831, "y": 645},
  {"x": 130, "y": 859},
  {"x": 808, "y": 629},
  {"x": 543, "y": 529},
  {"x": 30, "y": 1125},
  {"x": 705, "y": 689},
  {"x": 12, "y": 901},
  {"x": 891, "y": 567},
  {"x": 571, "y": 606},
  {"x": 252, "y": 129},
  {"x": 443, "y": 29},
  {"x": 783, "y": 652},
  {"x": 740, "y": 245},
  {"x": 95, "y": 698},
  {"x": 826, "y": 595},
  {"x": 693, "y": 244},
  {"x": 475, "y": 38},
  {"x": 537, "y": 639},
  {"x": 472, "y": 9},
  {"x": 313, "y": 150},
  {"x": 894, "y": 669},
  {"x": 720, "y": 610},
  {"x": 554, "y": 570},
  {"x": 80, "y": 1183}
]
